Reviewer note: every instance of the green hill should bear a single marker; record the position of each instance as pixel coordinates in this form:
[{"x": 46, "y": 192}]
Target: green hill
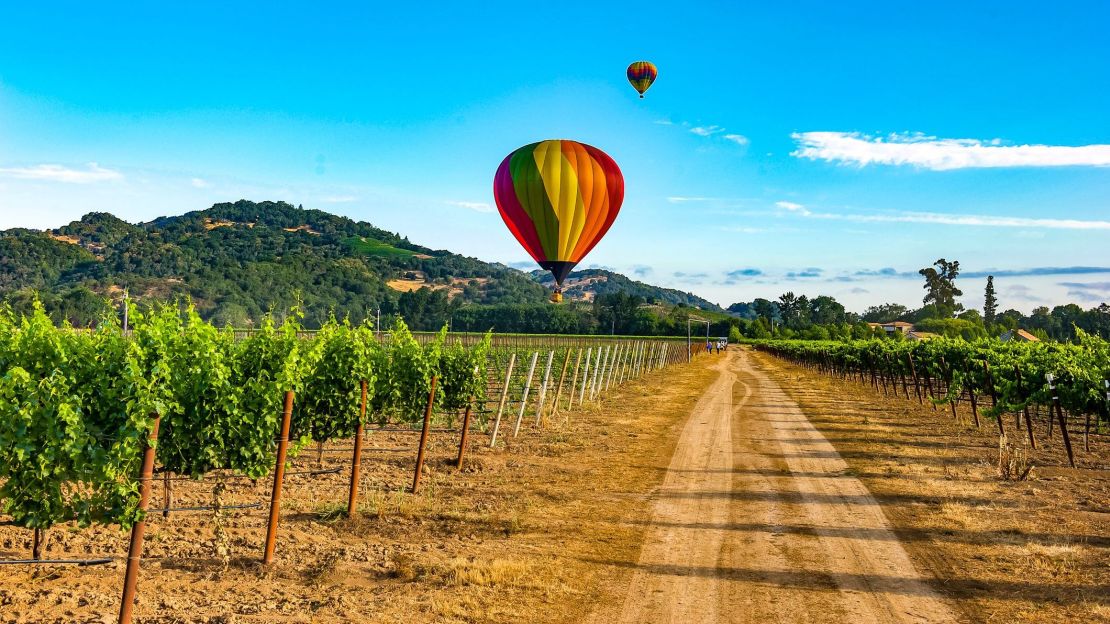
[
  {"x": 587, "y": 284},
  {"x": 237, "y": 261}
]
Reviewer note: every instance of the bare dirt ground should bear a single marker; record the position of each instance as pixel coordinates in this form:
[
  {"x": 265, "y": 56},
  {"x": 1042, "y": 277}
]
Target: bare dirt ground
[
  {"x": 722, "y": 544},
  {"x": 734, "y": 489}
]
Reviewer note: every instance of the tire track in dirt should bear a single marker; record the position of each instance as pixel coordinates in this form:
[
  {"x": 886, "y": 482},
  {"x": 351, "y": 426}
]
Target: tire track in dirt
[{"x": 757, "y": 520}]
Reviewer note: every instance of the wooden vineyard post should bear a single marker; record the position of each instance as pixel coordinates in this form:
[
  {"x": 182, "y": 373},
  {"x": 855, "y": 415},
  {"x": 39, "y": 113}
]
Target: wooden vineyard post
[
  {"x": 597, "y": 367},
  {"x": 465, "y": 430},
  {"x": 1060, "y": 417},
  {"x": 1105, "y": 405},
  {"x": 559, "y": 389},
  {"x": 138, "y": 530},
  {"x": 167, "y": 494},
  {"x": 947, "y": 372},
  {"x": 606, "y": 365},
  {"x": 543, "y": 388},
  {"x": 621, "y": 349},
  {"x": 613, "y": 362},
  {"x": 574, "y": 381},
  {"x": 585, "y": 377},
  {"x": 279, "y": 477},
  {"x": 524, "y": 396},
  {"x": 504, "y": 397},
  {"x": 929, "y": 389},
  {"x": 38, "y": 540},
  {"x": 424, "y": 436},
  {"x": 356, "y": 459},
  {"x": 994, "y": 396},
  {"x": 974, "y": 404},
  {"x": 1025, "y": 409},
  {"x": 622, "y": 367}
]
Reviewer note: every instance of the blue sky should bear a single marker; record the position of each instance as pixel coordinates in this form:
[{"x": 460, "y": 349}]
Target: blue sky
[{"x": 824, "y": 148}]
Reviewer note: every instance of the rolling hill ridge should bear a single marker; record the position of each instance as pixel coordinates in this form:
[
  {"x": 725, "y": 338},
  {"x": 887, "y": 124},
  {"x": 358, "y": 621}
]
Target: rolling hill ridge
[{"x": 236, "y": 261}]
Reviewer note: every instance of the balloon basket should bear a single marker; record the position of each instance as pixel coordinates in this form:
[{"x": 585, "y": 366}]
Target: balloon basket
[{"x": 556, "y": 297}]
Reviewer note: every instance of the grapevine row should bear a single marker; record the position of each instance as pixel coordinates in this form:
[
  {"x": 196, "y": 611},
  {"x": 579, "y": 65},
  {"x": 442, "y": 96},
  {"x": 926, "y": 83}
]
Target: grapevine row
[
  {"x": 1064, "y": 379},
  {"x": 76, "y": 408}
]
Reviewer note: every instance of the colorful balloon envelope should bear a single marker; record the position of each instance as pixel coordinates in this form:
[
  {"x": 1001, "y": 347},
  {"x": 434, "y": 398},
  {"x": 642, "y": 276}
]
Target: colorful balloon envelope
[
  {"x": 558, "y": 198},
  {"x": 641, "y": 74}
]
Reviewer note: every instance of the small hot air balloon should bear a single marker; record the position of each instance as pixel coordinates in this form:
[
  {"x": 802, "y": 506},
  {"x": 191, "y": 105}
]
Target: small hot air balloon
[
  {"x": 558, "y": 198},
  {"x": 641, "y": 74}
]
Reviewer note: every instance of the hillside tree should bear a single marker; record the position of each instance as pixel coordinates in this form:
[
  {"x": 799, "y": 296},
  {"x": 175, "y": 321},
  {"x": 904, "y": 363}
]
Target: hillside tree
[
  {"x": 990, "y": 302},
  {"x": 940, "y": 282}
]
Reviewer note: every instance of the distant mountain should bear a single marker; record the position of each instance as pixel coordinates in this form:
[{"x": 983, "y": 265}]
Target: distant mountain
[
  {"x": 586, "y": 284},
  {"x": 237, "y": 261}
]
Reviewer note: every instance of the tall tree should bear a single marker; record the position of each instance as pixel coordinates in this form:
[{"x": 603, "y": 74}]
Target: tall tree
[
  {"x": 885, "y": 313},
  {"x": 990, "y": 302},
  {"x": 940, "y": 282},
  {"x": 788, "y": 309},
  {"x": 765, "y": 309}
]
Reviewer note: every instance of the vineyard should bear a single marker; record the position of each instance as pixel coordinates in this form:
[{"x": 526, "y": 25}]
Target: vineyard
[
  {"x": 91, "y": 421},
  {"x": 1064, "y": 386}
]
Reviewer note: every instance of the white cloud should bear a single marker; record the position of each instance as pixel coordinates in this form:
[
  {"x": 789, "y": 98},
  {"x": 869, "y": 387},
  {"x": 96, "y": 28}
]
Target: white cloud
[
  {"x": 706, "y": 130},
  {"x": 738, "y": 139},
  {"x": 683, "y": 200},
  {"x": 932, "y": 218},
  {"x": 199, "y": 183},
  {"x": 795, "y": 208},
  {"x": 58, "y": 173},
  {"x": 475, "y": 206},
  {"x": 338, "y": 199},
  {"x": 664, "y": 122},
  {"x": 930, "y": 152},
  {"x": 740, "y": 229}
]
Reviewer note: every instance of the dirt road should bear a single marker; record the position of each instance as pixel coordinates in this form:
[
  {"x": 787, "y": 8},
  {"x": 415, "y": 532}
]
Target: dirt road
[{"x": 757, "y": 520}]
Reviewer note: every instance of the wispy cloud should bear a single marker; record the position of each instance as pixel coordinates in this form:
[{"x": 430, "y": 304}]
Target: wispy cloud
[
  {"x": 859, "y": 291},
  {"x": 733, "y": 277},
  {"x": 935, "y": 218},
  {"x": 738, "y": 139},
  {"x": 1100, "y": 286},
  {"x": 678, "y": 199},
  {"x": 475, "y": 206},
  {"x": 199, "y": 183},
  {"x": 338, "y": 199},
  {"x": 810, "y": 272},
  {"x": 1034, "y": 271},
  {"x": 1096, "y": 292},
  {"x": 793, "y": 207},
  {"x": 664, "y": 122},
  {"x": 1020, "y": 292},
  {"x": 883, "y": 272},
  {"x": 58, "y": 173},
  {"x": 1089, "y": 296},
  {"x": 642, "y": 270},
  {"x": 706, "y": 131},
  {"x": 741, "y": 229},
  {"x": 938, "y": 154}
]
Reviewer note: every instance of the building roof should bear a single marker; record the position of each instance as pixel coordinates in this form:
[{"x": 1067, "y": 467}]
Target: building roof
[
  {"x": 899, "y": 324},
  {"x": 1020, "y": 335},
  {"x": 919, "y": 335}
]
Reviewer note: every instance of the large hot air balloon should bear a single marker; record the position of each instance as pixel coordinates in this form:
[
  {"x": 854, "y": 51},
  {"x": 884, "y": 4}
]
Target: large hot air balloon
[
  {"x": 641, "y": 74},
  {"x": 558, "y": 198}
]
